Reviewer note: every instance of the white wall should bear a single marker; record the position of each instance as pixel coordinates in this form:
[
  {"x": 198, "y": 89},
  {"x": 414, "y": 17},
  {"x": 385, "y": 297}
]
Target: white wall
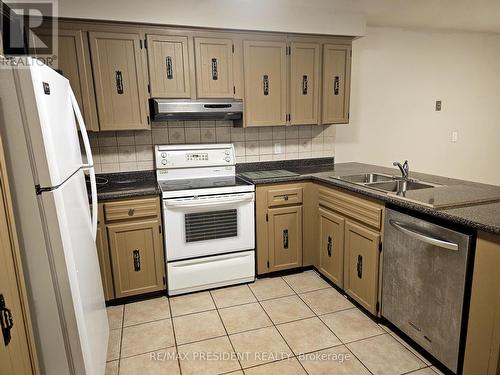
[
  {"x": 338, "y": 17},
  {"x": 397, "y": 75}
]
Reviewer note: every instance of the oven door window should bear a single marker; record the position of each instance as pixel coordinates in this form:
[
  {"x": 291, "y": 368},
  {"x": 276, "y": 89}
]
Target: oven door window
[{"x": 210, "y": 225}]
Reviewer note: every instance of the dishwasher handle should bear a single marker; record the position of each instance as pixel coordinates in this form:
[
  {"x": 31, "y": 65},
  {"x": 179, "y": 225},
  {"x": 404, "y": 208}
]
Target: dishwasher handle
[{"x": 412, "y": 232}]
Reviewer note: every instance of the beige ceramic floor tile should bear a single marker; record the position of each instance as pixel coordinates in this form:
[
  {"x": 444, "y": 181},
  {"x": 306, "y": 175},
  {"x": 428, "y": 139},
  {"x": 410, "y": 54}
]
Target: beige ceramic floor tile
[
  {"x": 244, "y": 318},
  {"x": 424, "y": 371},
  {"x": 384, "y": 355},
  {"x": 306, "y": 282},
  {"x": 235, "y": 295},
  {"x": 196, "y": 327},
  {"x": 286, "y": 309},
  {"x": 307, "y": 335},
  {"x": 285, "y": 367},
  {"x": 351, "y": 325},
  {"x": 260, "y": 346},
  {"x": 159, "y": 362},
  {"x": 146, "y": 311},
  {"x": 115, "y": 316},
  {"x": 338, "y": 360},
  {"x": 147, "y": 337},
  {"x": 115, "y": 336},
  {"x": 326, "y": 301},
  {"x": 111, "y": 368},
  {"x": 191, "y": 303},
  {"x": 270, "y": 288},
  {"x": 193, "y": 357},
  {"x": 408, "y": 346}
]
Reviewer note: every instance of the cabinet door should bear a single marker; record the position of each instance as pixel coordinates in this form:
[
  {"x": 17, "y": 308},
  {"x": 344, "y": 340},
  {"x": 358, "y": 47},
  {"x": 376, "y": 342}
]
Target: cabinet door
[
  {"x": 104, "y": 257},
  {"x": 285, "y": 238},
  {"x": 168, "y": 63},
  {"x": 331, "y": 250},
  {"x": 304, "y": 83},
  {"x": 361, "y": 265},
  {"x": 214, "y": 68},
  {"x": 336, "y": 83},
  {"x": 73, "y": 62},
  {"x": 265, "y": 83},
  {"x": 119, "y": 77},
  {"x": 137, "y": 257}
]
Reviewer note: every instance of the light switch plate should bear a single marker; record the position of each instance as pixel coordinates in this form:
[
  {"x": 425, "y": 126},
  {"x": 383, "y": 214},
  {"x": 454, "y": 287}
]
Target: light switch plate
[{"x": 277, "y": 148}]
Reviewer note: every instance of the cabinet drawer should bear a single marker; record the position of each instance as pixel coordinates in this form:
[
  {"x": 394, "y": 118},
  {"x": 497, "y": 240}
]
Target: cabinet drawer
[
  {"x": 132, "y": 209},
  {"x": 283, "y": 196},
  {"x": 352, "y": 206}
]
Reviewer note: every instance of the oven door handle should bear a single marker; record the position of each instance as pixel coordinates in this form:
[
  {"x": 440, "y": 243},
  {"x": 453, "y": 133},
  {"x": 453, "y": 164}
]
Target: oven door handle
[{"x": 193, "y": 203}]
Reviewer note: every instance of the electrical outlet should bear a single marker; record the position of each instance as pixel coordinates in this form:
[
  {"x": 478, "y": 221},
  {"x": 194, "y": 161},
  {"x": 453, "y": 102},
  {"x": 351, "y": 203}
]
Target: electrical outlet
[
  {"x": 454, "y": 136},
  {"x": 277, "y": 149}
]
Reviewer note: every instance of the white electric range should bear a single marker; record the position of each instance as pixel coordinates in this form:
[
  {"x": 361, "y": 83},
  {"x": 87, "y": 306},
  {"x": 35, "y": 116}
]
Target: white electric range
[{"x": 208, "y": 217}]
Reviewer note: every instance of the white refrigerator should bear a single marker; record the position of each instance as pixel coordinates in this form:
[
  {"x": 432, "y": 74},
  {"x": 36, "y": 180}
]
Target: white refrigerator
[{"x": 55, "y": 223}]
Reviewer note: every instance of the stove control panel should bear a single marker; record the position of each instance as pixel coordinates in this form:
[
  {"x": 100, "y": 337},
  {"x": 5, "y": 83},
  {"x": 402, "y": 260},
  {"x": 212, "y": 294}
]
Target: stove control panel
[{"x": 194, "y": 156}]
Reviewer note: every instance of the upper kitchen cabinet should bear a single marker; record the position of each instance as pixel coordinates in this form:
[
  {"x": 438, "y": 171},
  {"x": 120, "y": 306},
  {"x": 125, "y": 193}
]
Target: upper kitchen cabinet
[
  {"x": 73, "y": 62},
  {"x": 336, "y": 83},
  {"x": 120, "y": 80},
  {"x": 169, "y": 68},
  {"x": 214, "y": 68},
  {"x": 265, "y": 76},
  {"x": 304, "y": 83}
]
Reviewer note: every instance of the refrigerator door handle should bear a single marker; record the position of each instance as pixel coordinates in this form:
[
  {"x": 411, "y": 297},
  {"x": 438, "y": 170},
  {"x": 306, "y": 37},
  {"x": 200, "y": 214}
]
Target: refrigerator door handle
[{"x": 90, "y": 162}]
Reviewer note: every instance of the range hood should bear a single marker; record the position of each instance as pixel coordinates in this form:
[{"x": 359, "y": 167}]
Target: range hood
[{"x": 183, "y": 109}]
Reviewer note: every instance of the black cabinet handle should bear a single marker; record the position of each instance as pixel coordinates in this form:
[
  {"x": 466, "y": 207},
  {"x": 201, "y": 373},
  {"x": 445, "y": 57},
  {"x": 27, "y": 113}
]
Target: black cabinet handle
[
  {"x": 170, "y": 69},
  {"x": 329, "y": 246},
  {"x": 336, "y": 85},
  {"x": 6, "y": 321},
  {"x": 265, "y": 84},
  {"x": 215, "y": 74},
  {"x": 137, "y": 260},
  {"x": 304, "y": 85},
  {"x": 360, "y": 266},
  {"x": 119, "y": 82},
  {"x": 285, "y": 238}
]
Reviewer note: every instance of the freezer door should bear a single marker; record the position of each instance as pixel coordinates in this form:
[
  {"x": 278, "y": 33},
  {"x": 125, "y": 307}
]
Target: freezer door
[
  {"x": 76, "y": 274},
  {"x": 49, "y": 123}
]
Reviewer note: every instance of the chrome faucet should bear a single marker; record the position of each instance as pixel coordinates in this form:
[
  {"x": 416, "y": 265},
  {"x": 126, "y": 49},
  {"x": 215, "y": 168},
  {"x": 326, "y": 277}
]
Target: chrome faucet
[{"x": 405, "y": 169}]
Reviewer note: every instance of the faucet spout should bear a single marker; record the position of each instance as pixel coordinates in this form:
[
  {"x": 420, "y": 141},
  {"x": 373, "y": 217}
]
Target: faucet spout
[{"x": 404, "y": 168}]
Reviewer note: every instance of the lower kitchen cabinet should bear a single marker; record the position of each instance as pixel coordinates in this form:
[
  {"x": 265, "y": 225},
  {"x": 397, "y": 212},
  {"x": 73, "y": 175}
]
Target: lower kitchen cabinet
[
  {"x": 285, "y": 237},
  {"x": 331, "y": 246},
  {"x": 361, "y": 265},
  {"x": 130, "y": 247},
  {"x": 137, "y": 257},
  {"x": 104, "y": 256}
]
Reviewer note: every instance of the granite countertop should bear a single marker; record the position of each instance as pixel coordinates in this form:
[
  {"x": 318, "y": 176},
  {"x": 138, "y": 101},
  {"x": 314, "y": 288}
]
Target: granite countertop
[
  {"x": 482, "y": 216},
  {"x": 126, "y": 185}
]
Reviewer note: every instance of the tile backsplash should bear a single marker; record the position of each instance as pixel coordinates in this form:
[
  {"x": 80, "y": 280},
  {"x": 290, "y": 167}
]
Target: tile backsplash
[{"x": 133, "y": 150}]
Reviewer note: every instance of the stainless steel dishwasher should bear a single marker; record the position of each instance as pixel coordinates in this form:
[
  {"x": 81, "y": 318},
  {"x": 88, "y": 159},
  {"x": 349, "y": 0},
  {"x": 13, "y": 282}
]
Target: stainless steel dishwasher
[{"x": 424, "y": 283}]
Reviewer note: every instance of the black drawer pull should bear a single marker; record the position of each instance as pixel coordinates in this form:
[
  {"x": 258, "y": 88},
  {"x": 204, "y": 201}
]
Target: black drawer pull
[
  {"x": 170, "y": 69},
  {"x": 329, "y": 246},
  {"x": 336, "y": 85},
  {"x": 285, "y": 238},
  {"x": 360, "y": 266},
  {"x": 265, "y": 84},
  {"x": 304, "y": 85},
  {"x": 137, "y": 260},
  {"x": 6, "y": 321},
  {"x": 215, "y": 74},
  {"x": 119, "y": 82}
]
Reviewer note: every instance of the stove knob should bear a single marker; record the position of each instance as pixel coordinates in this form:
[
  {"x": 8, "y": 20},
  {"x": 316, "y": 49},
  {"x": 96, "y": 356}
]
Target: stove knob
[
  {"x": 226, "y": 152},
  {"x": 164, "y": 162},
  {"x": 227, "y": 158},
  {"x": 163, "y": 154}
]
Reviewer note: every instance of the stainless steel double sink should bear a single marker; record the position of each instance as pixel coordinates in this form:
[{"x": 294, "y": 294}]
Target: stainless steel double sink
[{"x": 386, "y": 183}]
